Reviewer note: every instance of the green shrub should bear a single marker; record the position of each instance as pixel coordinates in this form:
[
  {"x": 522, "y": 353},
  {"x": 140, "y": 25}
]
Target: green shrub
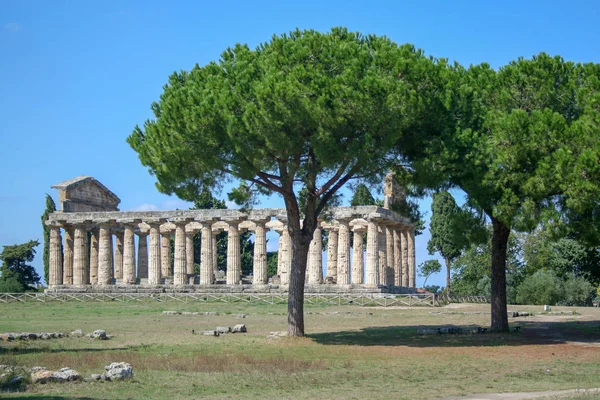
[
  {"x": 577, "y": 291},
  {"x": 543, "y": 287}
]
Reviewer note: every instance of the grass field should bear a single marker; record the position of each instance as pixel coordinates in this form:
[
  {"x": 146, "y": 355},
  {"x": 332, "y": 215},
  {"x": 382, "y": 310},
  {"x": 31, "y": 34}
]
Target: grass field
[{"x": 350, "y": 353}]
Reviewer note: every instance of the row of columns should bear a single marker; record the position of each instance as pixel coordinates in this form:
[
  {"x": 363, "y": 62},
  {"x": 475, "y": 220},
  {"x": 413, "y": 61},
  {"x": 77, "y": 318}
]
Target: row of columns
[{"x": 390, "y": 255}]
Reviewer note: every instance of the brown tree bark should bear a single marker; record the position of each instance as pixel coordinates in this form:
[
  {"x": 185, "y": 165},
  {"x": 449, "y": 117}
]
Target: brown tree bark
[
  {"x": 447, "y": 275},
  {"x": 300, "y": 246},
  {"x": 499, "y": 247}
]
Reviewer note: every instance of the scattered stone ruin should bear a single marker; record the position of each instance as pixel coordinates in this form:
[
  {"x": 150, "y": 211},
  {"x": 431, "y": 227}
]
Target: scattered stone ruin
[{"x": 84, "y": 257}]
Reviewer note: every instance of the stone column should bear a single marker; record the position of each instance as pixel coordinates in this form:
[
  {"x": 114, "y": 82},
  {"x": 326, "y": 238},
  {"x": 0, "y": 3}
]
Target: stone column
[
  {"x": 68, "y": 257},
  {"x": 179, "y": 268},
  {"x": 105, "y": 263},
  {"x": 332, "y": 254},
  {"x": 154, "y": 262},
  {"x": 55, "y": 273},
  {"x": 343, "y": 258},
  {"x": 119, "y": 255},
  {"x": 189, "y": 252},
  {"x": 234, "y": 261},
  {"x": 315, "y": 258},
  {"x": 206, "y": 257},
  {"x": 404, "y": 245},
  {"x": 129, "y": 256},
  {"x": 142, "y": 259},
  {"x": 260, "y": 254},
  {"x": 165, "y": 254},
  {"x": 372, "y": 268},
  {"x": 382, "y": 255},
  {"x": 80, "y": 256},
  {"x": 94, "y": 250},
  {"x": 279, "y": 253},
  {"x": 215, "y": 254},
  {"x": 358, "y": 268},
  {"x": 411, "y": 259},
  {"x": 397, "y": 258},
  {"x": 286, "y": 256},
  {"x": 389, "y": 240}
]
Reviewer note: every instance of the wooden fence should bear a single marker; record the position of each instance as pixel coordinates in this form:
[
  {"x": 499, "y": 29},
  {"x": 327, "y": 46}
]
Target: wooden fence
[{"x": 383, "y": 300}]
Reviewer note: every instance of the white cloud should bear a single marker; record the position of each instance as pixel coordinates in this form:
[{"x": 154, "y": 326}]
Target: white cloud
[
  {"x": 231, "y": 204},
  {"x": 145, "y": 207},
  {"x": 12, "y": 27}
]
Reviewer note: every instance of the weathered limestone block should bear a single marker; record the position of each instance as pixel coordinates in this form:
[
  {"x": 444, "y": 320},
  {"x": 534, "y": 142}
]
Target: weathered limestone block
[
  {"x": 68, "y": 256},
  {"x": 105, "y": 257},
  {"x": 215, "y": 255},
  {"x": 129, "y": 255},
  {"x": 94, "y": 253},
  {"x": 206, "y": 257},
  {"x": 286, "y": 256},
  {"x": 343, "y": 258},
  {"x": 404, "y": 245},
  {"x": 358, "y": 269},
  {"x": 239, "y": 328},
  {"x": 55, "y": 257},
  {"x": 382, "y": 255},
  {"x": 189, "y": 252},
  {"x": 397, "y": 258},
  {"x": 411, "y": 258},
  {"x": 315, "y": 258},
  {"x": 223, "y": 329},
  {"x": 260, "y": 254},
  {"x": 85, "y": 193},
  {"x": 165, "y": 254},
  {"x": 154, "y": 262},
  {"x": 118, "y": 371},
  {"x": 180, "y": 270},
  {"x": 372, "y": 267},
  {"x": 389, "y": 241},
  {"x": 332, "y": 253},
  {"x": 80, "y": 256},
  {"x": 234, "y": 262}
]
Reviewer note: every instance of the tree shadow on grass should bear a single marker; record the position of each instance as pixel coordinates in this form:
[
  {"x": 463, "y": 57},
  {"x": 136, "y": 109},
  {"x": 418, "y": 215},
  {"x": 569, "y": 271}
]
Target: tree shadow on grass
[
  {"x": 49, "y": 397},
  {"x": 528, "y": 333}
]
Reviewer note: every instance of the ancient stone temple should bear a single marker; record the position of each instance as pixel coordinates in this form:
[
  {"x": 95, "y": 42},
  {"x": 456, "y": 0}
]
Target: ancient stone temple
[{"x": 96, "y": 248}]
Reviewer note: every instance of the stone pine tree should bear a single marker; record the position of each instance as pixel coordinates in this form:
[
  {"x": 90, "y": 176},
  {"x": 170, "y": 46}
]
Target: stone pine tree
[
  {"x": 522, "y": 142},
  {"x": 304, "y": 110},
  {"x": 50, "y": 208}
]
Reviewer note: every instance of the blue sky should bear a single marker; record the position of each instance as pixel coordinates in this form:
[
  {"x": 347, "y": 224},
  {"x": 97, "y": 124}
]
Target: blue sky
[{"x": 77, "y": 76}]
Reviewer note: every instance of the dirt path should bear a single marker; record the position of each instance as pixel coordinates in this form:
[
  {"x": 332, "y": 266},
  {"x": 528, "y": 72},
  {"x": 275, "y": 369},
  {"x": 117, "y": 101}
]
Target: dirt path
[{"x": 525, "y": 395}]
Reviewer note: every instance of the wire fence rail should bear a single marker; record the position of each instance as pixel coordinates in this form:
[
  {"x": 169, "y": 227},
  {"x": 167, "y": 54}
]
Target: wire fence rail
[
  {"x": 442, "y": 300},
  {"x": 382, "y": 300}
]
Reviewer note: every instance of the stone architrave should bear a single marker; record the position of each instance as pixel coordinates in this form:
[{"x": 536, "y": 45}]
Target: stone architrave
[
  {"x": 119, "y": 255},
  {"x": 404, "y": 245},
  {"x": 94, "y": 250},
  {"x": 206, "y": 257},
  {"x": 68, "y": 257},
  {"x": 142, "y": 258},
  {"x": 129, "y": 255},
  {"x": 105, "y": 263},
  {"x": 234, "y": 261},
  {"x": 389, "y": 241},
  {"x": 315, "y": 258},
  {"x": 382, "y": 255},
  {"x": 286, "y": 256},
  {"x": 179, "y": 268},
  {"x": 411, "y": 259},
  {"x": 55, "y": 258},
  {"x": 189, "y": 252},
  {"x": 372, "y": 267},
  {"x": 358, "y": 269},
  {"x": 332, "y": 254},
  {"x": 80, "y": 256},
  {"x": 397, "y": 258},
  {"x": 154, "y": 262},
  {"x": 343, "y": 258},
  {"x": 165, "y": 255},
  {"x": 260, "y": 254}
]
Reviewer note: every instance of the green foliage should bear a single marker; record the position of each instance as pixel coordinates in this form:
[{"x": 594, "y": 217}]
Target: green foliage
[
  {"x": 362, "y": 196},
  {"x": 15, "y": 266},
  {"x": 272, "y": 257},
  {"x": 50, "y": 208},
  {"x": 543, "y": 287},
  {"x": 577, "y": 291},
  {"x": 434, "y": 289},
  {"x": 429, "y": 267},
  {"x": 10, "y": 282}
]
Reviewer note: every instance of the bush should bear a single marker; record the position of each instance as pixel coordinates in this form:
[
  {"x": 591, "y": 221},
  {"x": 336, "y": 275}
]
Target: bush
[
  {"x": 11, "y": 284},
  {"x": 543, "y": 287},
  {"x": 577, "y": 291}
]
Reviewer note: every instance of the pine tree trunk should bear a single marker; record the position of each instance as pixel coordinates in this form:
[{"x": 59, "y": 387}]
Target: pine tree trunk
[
  {"x": 499, "y": 247},
  {"x": 447, "y": 276},
  {"x": 300, "y": 246}
]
